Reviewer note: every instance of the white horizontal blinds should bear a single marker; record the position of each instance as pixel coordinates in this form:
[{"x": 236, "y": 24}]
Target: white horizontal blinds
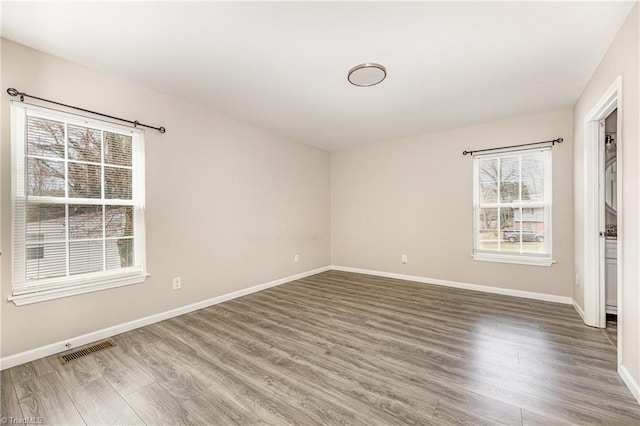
[
  {"x": 119, "y": 244},
  {"x": 119, "y": 220},
  {"x": 513, "y": 203},
  {"x": 18, "y": 194},
  {"x": 86, "y": 235},
  {"x": 77, "y": 213},
  {"x": 48, "y": 221}
]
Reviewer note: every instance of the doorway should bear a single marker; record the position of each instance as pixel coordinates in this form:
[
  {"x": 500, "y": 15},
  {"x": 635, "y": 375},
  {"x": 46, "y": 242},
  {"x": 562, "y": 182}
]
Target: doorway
[
  {"x": 609, "y": 180},
  {"x": 603, "y": 255}
]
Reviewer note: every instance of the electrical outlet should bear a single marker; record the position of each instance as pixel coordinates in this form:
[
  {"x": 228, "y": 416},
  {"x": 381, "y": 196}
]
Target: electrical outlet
[
  {"x": 177, "y": 283},
  {"x": 577, "y": 280},
  {"x": 405, "y": 258},
  {"x": 296, "y": 258}
]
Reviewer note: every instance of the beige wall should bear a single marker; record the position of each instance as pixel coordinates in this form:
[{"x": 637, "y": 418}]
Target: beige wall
[
  {"x": 620, "y": 60},
  {"x": 414, "y": 196},
  {"x": 228, "y": 204}
]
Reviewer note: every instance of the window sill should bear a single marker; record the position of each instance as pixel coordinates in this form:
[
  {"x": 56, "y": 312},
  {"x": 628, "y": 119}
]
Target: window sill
[
  {"x": 520, "y": 260},
  {"x": 94, "y": 285}
]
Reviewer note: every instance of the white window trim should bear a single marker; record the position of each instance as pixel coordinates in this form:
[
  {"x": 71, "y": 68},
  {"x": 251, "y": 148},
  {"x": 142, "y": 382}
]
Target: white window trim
[
  {"x": 55, "y": 288},
  {"x": 525, "y": 258},
  {"x": 103, "y": 283},
  {"x": 518, "y": 259}
]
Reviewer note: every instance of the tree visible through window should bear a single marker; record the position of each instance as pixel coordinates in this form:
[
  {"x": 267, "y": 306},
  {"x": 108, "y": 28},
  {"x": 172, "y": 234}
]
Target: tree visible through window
[
  {"x": 78, "y": 198},
  {"x": 512, "y": 203}
]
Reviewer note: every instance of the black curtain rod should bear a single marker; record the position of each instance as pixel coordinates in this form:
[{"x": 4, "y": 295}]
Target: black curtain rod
[
  {"x": 14, "y": 92},
  {"x": 552, "y": 142}
]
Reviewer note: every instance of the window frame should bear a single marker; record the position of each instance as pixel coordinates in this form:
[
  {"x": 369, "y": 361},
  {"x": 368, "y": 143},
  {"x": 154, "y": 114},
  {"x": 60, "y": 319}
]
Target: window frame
[
  {"x": 37, "y": 247},
  {"x": 33, "y": 291},
  {"x": 533, "y": 259}
]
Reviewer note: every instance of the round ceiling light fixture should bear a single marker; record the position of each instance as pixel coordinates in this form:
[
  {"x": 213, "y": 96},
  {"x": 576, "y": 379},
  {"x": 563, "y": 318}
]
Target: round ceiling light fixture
[{"x": 368, "y": 74}]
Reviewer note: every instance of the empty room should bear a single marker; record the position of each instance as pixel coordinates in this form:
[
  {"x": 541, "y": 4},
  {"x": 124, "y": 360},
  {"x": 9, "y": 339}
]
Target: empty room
[{"x": 319, "y": 213}]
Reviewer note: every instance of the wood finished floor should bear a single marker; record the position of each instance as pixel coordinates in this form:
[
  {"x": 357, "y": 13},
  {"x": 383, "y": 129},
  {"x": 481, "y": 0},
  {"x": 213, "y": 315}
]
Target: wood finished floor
[
  {"x": 612, "y": 329},
  {"x": 340, "y": 348}
]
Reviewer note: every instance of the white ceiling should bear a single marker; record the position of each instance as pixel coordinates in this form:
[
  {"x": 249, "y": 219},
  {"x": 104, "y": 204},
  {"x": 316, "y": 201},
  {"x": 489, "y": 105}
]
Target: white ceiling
[{"x": 284, "y": 65}]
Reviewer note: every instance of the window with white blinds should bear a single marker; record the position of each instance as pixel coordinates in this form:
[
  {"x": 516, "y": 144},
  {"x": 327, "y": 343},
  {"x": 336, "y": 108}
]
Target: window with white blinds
[
  {"x": 78, "y": 204},
  {"x": 512, "y": 207}
]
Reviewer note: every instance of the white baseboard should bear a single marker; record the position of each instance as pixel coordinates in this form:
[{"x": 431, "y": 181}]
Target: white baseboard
[
  {"x": 579, "y": 309},
  {"x": 629, "y": 381},
  {"x": 54, "y": 348},
  {"x": 44, "y": 351},
  {"x": 466, "y": 286},
  {"x": 611, "y": 309}
]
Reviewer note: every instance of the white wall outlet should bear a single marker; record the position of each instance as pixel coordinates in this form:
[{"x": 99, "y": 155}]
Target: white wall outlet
[
  {"x": 405, "y": 258},
  {"x": 577, "y": 280},
  {"x": 177, "y": 283},
  {"x": 296, "y": 258}
]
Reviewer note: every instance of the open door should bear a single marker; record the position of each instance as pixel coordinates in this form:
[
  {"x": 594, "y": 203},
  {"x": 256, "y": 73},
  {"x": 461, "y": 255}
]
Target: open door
[
  {"x": 594, "y": 226},
  {"x": 602, "y": 225}
]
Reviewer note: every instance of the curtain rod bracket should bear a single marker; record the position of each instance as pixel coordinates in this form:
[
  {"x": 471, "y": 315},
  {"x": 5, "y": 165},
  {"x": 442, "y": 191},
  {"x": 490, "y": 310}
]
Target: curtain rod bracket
[{"x": 14, "y": 92}]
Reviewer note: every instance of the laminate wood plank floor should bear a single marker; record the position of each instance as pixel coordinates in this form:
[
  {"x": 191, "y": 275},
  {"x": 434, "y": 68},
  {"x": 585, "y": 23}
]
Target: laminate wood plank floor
[
  {"x": 612, "y": 329},
  {"x": 340, "y": 348}
]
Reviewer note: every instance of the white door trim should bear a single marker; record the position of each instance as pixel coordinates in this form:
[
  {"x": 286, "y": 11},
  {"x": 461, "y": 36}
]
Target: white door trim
[{"x": 593, "y": 208}]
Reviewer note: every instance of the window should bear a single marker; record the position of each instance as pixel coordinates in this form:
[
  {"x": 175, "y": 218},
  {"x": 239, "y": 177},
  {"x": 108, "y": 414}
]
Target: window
[
  {"x": 35, "y": 250},
  {"x": 512, "y": 207},
  {"x": 78, "y": 204}
]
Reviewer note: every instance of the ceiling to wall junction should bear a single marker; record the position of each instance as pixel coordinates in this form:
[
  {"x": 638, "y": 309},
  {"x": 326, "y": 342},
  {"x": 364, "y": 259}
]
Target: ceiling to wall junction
[{"x": 284, "y": 66}]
